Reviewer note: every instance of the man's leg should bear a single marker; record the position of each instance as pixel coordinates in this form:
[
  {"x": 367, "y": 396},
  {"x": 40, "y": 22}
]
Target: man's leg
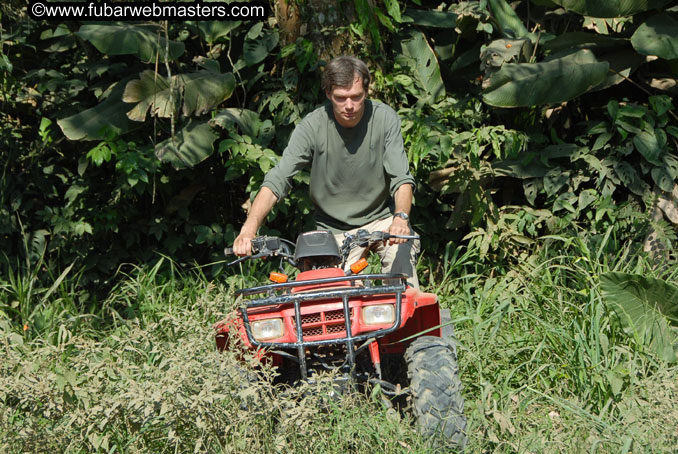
[
  {"x": 399, "y": 258},
  {"x": 356, "y": 253},
  {"x": 396, "y": 258}
]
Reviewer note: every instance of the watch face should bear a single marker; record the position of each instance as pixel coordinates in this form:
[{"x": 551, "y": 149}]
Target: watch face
[{"x": 402, "y": 216}]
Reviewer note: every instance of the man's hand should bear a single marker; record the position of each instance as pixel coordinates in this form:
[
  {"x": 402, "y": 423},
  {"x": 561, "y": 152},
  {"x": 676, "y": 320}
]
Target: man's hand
[
  {"x": 399, "y": 226},
  {"x": 243, "y": 243}
]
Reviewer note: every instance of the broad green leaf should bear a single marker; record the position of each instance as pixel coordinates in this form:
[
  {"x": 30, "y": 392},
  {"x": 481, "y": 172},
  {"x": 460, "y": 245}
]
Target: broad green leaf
[
  {"x": 601, "y": 141},
  {"x": 73, "y": 192},
  {"x": 99, "y": 122},
  {"x": 643, "y": 305},
  {"x": 204, "y": 90},
  {"x": 553, "y": 81},
  {"x": 150, "y": 90},
  {"x": 554, "y": 180},
  {"x": 581, "y": 40},
  {"x": 657, "y": 36},
  {"x": 518, "y": 169},
  {"x": 628, "y": 176},
  {"x": 531, "y": 188},
  {"x": 247, "y": 120},
  {"x": 610, "y": 8},
  {"x": 256, "y": 49},
  {"x": 586, "y": 198},
  {"x": 425, "y": 64},
  {"x": 145, "y": 41},
  {"x": 565, "y": 150},
  {"x": 662, "y": 178},
  {"x": 671, "y": 165},
  {"x": 565, "y": 201},
  {"x": 213, "y": 30},
  {"x": 189, "y": 147},
  {"x": 661, "y": 104},
  {"x": 430, "y": 18},
  {"x": 385, "y": 20},
  {"x": 616, "y": 381},
  {"x": 199, "y": 91},
  {"x": 393, "y": 10},
  {"x": 508, "y": 20},
  {"x": 502, "y": 51},
  {"x": 647, "y": 144}
]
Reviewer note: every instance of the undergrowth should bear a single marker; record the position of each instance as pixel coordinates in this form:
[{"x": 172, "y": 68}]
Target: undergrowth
[
  {"x": 545, "y": 367},
  {"x": 545, "y": 364}
]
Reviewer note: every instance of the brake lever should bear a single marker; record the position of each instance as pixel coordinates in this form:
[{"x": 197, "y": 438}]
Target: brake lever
[
  {"x": 288, "y": 257},
  {"x": 246, "y": 257},
  {"x": 405, "y": 237}
]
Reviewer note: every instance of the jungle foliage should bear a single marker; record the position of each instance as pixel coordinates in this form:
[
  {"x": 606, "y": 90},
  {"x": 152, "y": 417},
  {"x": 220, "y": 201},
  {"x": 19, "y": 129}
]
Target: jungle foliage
[
  {"x": 520, "y": 120},
  {"x": 542, "y": 135},
  {"x": 120, "y": 148}
]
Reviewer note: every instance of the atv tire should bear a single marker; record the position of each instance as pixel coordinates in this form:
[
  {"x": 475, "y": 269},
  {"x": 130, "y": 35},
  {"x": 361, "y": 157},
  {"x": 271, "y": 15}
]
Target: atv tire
[{"x": 435, "y": 388}]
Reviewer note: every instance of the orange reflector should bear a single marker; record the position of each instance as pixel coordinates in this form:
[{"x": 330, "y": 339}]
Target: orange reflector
[
  {"x": 358, "y": 266},
  {"x": 277, "y": 277}
]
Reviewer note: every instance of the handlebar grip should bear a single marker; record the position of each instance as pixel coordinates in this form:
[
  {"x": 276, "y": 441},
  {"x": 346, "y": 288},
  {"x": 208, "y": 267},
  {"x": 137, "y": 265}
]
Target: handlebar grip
[{"x": 228, "y": 251}]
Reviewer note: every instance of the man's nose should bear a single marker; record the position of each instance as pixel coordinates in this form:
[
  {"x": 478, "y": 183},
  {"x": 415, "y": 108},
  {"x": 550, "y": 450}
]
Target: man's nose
[{"x": 349, "y": 104}]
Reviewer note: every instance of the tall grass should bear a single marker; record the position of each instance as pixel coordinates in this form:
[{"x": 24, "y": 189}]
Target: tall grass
[
  {"x": 154, "y": 382},
  {"x": 545, "y": 367}
]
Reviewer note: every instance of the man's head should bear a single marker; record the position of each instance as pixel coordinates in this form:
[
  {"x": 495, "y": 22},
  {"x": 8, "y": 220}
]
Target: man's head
[{"x": 346, "y": 81}]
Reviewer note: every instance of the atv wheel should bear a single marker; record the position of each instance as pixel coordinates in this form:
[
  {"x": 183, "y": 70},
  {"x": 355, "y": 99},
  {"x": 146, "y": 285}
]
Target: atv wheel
[{"x": 436, "y": 389}]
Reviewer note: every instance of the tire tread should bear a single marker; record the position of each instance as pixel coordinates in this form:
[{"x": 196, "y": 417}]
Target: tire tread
[{"x": 436, "y": 389}]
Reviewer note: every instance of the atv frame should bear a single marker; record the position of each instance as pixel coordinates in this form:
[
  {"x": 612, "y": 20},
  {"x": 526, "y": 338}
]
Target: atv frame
[{"x": 326, "y": 308}]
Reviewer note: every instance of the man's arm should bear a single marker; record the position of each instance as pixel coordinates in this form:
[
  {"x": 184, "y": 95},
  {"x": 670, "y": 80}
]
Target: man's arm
[
  {"x": 276, "y": 184},
  {"x": 403, "y": 204},
  {"x": 261, "y": 206}
]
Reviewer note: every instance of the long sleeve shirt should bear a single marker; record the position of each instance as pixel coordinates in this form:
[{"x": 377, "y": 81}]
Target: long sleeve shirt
[{"x": 354, "y": 171}]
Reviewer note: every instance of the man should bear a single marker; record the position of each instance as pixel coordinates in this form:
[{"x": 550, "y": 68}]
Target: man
[{"x": 360, "y": 175}]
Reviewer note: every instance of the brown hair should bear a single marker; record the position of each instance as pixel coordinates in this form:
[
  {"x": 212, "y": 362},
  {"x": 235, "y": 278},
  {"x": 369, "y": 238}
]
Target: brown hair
[{"x": 342, "y": 71}]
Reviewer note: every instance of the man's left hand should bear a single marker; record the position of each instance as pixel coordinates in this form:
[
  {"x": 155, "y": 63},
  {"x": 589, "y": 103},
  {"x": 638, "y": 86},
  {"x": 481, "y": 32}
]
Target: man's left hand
[{"x": 399, "y": 226}]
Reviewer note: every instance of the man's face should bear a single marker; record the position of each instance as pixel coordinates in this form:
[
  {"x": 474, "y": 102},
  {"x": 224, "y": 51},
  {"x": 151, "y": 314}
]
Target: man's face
[{"x": 348, "y": 104}]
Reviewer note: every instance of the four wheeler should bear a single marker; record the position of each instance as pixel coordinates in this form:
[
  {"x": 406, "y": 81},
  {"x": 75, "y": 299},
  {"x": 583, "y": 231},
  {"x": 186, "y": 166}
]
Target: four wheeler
[{"x": 367, "y": 327}]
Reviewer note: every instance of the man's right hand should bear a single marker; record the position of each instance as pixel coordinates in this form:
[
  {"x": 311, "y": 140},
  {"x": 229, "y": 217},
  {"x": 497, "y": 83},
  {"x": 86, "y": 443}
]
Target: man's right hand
[{"x": 243, "y": 244}]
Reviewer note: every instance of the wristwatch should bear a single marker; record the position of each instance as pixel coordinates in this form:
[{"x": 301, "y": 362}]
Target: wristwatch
[{"x": 401, "y": 215}]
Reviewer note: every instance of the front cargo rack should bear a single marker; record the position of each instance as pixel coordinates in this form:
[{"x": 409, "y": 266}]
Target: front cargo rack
[{"x": 296, "y": 299}]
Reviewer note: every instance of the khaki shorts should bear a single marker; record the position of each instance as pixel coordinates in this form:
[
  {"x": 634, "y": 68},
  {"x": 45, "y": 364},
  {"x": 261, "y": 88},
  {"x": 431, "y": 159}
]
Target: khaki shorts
[{"x": 396, "y": 258}]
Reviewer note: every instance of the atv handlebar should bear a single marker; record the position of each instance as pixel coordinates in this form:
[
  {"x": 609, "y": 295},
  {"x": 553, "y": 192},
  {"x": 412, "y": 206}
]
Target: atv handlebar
[
  {"x": 265, "y": 246},
  {"x": 273, "y": 246},
  {"x": 363, "y": 238}
]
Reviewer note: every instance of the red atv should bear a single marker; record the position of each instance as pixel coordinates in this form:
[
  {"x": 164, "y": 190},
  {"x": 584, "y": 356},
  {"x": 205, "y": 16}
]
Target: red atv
[{"x": 368, "y": 327}]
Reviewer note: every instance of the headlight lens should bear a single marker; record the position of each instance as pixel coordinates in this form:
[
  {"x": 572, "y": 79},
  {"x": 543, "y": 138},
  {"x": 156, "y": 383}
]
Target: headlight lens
[
  {"x": 382, "y": 314},
  {"x": 268, "y": 329}
]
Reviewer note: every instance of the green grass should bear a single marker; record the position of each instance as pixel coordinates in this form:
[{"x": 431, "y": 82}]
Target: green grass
[{"x": 545, "y": 367}]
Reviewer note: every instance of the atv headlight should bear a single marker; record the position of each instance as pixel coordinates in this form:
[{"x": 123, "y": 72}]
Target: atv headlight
[
  {"x": 268, "y": 329},
  {"x": 382, "y": 314}
]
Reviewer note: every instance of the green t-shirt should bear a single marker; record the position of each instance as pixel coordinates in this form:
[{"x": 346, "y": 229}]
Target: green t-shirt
[{"x": 354, "y": 171}]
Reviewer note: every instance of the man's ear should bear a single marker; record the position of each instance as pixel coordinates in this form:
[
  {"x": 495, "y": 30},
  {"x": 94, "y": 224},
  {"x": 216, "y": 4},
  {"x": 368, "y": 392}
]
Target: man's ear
[{"x": 328, "y": 94}]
